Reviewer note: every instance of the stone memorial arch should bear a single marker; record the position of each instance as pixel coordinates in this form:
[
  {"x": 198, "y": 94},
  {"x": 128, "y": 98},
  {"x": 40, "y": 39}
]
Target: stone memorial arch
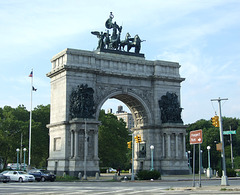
[{"x": 82, "y": 81}]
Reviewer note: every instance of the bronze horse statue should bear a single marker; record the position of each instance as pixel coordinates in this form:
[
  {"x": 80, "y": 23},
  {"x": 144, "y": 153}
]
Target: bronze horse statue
[
  {"x": 124, "y": 42},
  {"x": 135, "y": 42}
]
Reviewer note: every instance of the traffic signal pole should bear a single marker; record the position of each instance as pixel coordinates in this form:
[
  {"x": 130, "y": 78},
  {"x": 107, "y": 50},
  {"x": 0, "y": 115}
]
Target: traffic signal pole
[
  {"x": 224, "y": 179},
  {"x": 231, "y": 148},
  {"x": 132, "y": 177}
]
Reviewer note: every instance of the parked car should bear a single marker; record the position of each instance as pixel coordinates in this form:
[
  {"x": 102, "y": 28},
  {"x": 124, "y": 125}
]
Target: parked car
[
  {"x": 4, "y": 178},
  {"x": 19, "y": 176},
  {"x": 15, "y": 166},
  {"x": 111, "y": 170},
  {"x": 12, "y": 166},
  {"x": 42, "y": 175}
]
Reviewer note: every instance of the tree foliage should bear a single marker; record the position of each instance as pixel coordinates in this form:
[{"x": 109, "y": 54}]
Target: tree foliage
[
  {"x": 14, "y": 124},
  {"x": 40, "y": 137},
  {"x": 113, "y": 137}
]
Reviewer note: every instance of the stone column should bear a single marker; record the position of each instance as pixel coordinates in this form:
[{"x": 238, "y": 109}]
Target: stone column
[
  {"x": 95, "y": 144},
  {"x": 184, "y": 146},
  {"x": 169, "y": 144},
  {"x": 158, "y": 144},
  {"x": 163, "y": 146},
  {"x": 72, "y": 143},
  {"x": 76, "y": 144},
  {"x": 176, "y": 145}
]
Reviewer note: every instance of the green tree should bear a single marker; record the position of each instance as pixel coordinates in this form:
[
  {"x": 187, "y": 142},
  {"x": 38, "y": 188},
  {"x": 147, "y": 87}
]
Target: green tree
[
  {"x": 113, "y": 137},
  {"x": 14, "y": 123},
  {"x": 211, "y": 136},
  {"x": 40, "y": 137}
]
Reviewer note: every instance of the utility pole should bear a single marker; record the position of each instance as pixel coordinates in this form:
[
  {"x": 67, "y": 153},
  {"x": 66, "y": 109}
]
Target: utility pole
[
  {"x": 224, "y": 179},
  {"x": 231, "y": 148},
  {"x": 132, "y": 176}
]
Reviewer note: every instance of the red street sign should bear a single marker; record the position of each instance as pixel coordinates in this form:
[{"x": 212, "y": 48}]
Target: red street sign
[{"x": 196, "y": 137}]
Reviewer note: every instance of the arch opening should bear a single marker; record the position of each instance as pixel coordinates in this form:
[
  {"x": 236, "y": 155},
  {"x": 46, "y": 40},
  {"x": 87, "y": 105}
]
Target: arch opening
[{"x": 138, "y": 108}]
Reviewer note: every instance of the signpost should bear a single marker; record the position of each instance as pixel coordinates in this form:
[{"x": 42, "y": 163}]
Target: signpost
[{"x": 196, "y": 138}]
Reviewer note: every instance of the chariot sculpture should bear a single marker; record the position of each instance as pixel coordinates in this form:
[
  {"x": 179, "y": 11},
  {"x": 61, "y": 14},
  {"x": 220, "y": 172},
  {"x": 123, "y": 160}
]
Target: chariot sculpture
[{"x": 113, "y": 41}]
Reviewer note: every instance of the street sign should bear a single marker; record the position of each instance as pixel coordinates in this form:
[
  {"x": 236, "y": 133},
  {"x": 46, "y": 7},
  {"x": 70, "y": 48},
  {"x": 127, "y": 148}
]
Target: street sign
[
  {"x": 196, "y": 137},
  {"x": 229, "y": 132},
  {"x": 219, "y": 147}
]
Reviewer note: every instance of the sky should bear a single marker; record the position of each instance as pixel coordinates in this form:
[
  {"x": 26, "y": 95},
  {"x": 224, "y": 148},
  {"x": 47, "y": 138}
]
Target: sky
[{"x": 202, "y": 36}]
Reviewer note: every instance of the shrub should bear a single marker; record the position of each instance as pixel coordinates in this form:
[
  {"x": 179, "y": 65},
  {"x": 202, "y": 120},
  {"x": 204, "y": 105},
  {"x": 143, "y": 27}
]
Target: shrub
[
  {"x": 103, "y": 170},
  {"x": 147, "y": 175},
  {"x": 230, "y": 172},
  {"x": 66, "y": 178},
  {"x": 124, "y": 171}
]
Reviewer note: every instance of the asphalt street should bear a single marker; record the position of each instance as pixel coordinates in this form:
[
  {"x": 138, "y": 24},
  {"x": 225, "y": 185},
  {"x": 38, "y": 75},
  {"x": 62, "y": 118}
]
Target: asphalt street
[{"x": 168, "y": 185}]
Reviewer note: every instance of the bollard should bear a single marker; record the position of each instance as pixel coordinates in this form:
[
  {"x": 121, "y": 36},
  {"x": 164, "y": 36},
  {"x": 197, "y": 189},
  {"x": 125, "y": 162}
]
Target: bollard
[
  {"x": 97, "y": 176},
  {"x": 80, "y": 175},
  {"x": 115, "y": 177}
]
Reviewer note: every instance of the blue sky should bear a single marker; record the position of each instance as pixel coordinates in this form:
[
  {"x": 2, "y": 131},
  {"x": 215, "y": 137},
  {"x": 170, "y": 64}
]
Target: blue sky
[{"x": 202, "y": 35}]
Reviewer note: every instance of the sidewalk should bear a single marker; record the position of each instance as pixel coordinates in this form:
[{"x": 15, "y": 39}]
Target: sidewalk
[
  {"x": 218, "y": 189},
  {"x": 110, "y": 176}
]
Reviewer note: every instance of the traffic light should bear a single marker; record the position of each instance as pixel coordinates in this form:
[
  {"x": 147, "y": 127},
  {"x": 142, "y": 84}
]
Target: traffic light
[
  {"x": 129, "y": 144},
  {"x": 139, "y": 138},
  {"x": 136, "y": 138},
  {"x": 215, "y": 121}
]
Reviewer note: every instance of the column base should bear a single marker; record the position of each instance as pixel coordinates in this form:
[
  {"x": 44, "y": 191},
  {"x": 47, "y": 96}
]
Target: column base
[
  {"x": 224, "y": 181},
  {"x": 209, "y": 172}
]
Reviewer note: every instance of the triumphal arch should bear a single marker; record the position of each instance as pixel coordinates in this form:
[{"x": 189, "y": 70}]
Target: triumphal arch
[{"x": 81, "y": 81}]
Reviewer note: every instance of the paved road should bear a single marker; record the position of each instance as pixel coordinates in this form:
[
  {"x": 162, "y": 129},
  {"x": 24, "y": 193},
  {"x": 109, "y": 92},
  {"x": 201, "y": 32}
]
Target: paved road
[{"x": 137, "y": 187}]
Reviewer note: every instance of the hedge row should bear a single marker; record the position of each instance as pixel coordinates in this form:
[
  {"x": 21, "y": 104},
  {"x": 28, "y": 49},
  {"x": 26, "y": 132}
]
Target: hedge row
[{"x": 147, "y": 175}]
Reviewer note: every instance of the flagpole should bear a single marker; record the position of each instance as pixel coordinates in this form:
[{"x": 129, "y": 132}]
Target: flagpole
[{"x": 30, "y": 124}]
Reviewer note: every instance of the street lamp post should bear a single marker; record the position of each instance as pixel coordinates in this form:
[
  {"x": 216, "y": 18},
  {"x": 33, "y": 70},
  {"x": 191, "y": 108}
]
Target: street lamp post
[
  {"x": 209, "y": 171},
  {"x": 17, "y": 157},
  {"x": 24, "y": 150},
  {"x": 152, "y": 148}
]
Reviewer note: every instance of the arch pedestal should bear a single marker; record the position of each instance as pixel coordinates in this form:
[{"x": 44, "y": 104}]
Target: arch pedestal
[
  {"x": 72, "y": 145},
  {"x": 169, "y": 154}
]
